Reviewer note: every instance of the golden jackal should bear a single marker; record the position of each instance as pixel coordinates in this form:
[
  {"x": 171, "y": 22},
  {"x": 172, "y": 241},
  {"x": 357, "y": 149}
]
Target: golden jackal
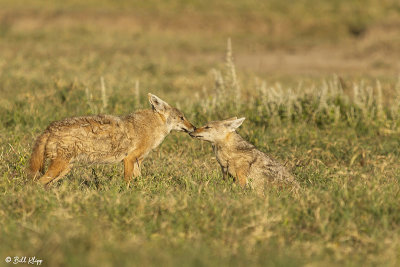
[
  {"x": 239, "y": 158},
  {"x": 105, "y": 139}
]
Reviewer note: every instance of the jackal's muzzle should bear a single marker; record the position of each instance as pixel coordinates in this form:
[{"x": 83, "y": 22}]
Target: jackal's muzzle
[
  {"x": 188, "y": 127},
  {"x": 196, "y": 133}
]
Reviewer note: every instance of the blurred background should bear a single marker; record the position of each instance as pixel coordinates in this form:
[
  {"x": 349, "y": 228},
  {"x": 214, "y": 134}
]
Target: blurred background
[{"x": 178, "y": 42}]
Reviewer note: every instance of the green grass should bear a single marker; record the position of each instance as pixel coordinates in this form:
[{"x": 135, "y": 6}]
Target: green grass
[{"x": 340, "y": 142}]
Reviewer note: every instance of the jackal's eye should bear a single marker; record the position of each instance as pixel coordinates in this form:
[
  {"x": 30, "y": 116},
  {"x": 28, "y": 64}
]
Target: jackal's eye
[{"x": 181, "y": 117}]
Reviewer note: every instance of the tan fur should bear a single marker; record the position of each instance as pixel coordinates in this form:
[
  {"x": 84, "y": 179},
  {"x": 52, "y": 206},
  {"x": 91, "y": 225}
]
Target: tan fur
[
  {"x": 240, "y": 159},
  {"x": 36, "y": 163},
  {"x": 105, "y": 139}
]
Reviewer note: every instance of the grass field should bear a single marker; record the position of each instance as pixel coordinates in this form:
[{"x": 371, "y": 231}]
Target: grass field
[{"x": 318, "y": 83}]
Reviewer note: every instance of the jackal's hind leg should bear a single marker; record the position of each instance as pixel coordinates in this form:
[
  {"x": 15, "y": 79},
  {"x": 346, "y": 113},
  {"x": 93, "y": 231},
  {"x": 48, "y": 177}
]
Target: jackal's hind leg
[
  {"x": 241, "y": 178},
  {"x": 57, "y": 169},
  {"x": 62, "y": 174}
]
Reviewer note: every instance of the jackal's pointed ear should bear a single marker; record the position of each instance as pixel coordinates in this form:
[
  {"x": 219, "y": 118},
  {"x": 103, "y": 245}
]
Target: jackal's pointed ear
[
  {"x": 157, "y": 103},
  {"x": 233, "y": 124}
]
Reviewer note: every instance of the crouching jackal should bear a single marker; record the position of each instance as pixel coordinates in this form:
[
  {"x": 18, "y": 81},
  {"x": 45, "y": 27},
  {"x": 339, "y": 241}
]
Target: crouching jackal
[
  {"x": 105, "y": 139},
  {"x": 241, "y": 159}
]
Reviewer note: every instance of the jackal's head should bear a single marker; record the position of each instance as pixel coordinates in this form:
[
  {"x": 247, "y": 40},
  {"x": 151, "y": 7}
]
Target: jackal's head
[
  {"x": 216, "y": 131},
  {"x": 174, "y": 118}
]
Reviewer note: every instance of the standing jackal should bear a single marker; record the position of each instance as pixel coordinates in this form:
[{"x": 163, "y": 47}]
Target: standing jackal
[
  {"x": 239, "y": 158},
  {"x": 105, "y": 139}
]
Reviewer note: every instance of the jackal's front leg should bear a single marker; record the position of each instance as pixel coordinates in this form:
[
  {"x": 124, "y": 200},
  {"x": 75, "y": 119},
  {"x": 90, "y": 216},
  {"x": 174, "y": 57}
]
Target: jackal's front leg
[
  {"x": 128, "y": 169},
  {"x": 224, "y": 172},
  {"x": 132, "y": 167},
  {"x": 137, "y": 171}
]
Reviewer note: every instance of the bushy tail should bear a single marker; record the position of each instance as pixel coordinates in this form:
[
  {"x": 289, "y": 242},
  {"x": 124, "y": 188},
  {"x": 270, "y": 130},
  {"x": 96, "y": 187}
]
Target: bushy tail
[{"x": 36, "y": 163}]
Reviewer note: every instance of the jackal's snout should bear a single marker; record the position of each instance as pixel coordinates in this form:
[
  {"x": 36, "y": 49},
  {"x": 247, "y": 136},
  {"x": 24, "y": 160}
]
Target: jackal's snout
[
  {"x": 188, "y": 127},
  {"x": 184, "y": 124},
  {"x": 196, "y": 133}
]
